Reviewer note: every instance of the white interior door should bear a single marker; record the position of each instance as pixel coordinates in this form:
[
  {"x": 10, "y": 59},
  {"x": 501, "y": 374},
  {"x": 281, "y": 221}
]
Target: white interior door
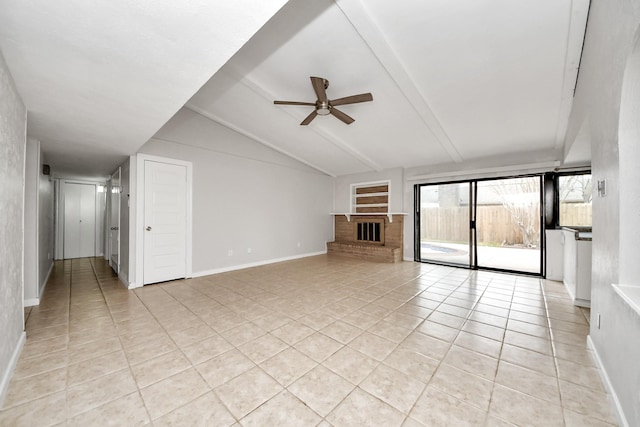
[
  {"x": 114, "y": 221},
  {"x": 165, "y": 222},
  {"x": 79, "y": 220}
]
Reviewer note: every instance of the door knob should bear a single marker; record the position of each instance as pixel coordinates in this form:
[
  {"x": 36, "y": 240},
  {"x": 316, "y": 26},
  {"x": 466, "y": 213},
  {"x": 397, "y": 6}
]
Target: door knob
[{"x": 148, "y": 228}]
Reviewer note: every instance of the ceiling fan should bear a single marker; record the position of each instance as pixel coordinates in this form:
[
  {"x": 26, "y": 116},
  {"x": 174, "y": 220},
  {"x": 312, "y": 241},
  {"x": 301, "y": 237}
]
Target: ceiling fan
[{"x": 324, "y": 105}]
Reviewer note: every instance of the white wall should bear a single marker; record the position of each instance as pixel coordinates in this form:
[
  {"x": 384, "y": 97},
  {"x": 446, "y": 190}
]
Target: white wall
[
  {"x": 629, "y": 172},
  {"x": 612, "y": 30},
  {"x": 31, "y": 184},
  {"x": 38, "y": 224},
  {"x": 125, "y": 232},
  {"x": 13, "y": 136},
  {"x": 245, "y": 195},
  {"x": 101, "y": 214},
  {"x": 45, "y": 225}
]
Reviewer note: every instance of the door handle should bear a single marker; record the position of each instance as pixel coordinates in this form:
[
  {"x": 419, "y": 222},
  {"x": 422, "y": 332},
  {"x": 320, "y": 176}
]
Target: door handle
[{"x": 148, "y": 228}]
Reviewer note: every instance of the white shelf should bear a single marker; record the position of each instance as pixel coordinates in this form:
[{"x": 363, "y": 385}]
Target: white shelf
[
  {"x": 386, "y": 193},
  {"x": 630, "y": 294},
  {"x": 373, "y": 205},
  {"x": 388, "y": 214}
]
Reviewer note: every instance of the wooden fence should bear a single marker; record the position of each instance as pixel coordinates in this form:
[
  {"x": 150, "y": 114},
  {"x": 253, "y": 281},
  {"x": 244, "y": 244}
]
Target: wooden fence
[
  {"x": 576, "y": 214},
  {"x": 495, "y": 224}
]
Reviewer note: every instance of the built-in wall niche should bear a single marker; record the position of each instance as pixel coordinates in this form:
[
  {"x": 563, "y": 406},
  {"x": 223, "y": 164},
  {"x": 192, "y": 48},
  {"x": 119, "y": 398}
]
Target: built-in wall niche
[{"x": 370, "y": 197}]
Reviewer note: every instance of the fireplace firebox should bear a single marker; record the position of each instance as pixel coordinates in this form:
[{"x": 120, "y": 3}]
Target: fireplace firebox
[{"x": 369, "y": 231}]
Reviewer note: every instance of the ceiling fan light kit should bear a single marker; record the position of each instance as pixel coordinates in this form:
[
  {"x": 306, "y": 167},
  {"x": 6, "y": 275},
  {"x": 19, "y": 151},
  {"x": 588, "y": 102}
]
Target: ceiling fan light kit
[{"x": 324, "y": 106}]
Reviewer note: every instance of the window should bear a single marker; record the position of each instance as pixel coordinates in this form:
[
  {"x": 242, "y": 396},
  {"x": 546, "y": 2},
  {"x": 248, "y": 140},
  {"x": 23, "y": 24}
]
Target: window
[{"x": 575, "y": 195}]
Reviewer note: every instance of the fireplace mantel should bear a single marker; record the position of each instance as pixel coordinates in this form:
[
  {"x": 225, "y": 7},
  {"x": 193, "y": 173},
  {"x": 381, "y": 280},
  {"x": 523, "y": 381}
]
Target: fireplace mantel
[{"x": 348, "y": 215}]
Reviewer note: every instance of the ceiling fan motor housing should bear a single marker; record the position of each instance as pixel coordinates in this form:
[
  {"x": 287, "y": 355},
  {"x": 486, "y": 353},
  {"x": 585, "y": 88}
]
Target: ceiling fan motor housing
[{"x": 323, "y": 108}]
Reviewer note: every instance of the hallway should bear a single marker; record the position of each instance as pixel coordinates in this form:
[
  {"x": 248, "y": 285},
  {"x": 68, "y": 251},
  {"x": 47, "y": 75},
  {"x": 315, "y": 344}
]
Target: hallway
[{"x": 317, "y": 341}]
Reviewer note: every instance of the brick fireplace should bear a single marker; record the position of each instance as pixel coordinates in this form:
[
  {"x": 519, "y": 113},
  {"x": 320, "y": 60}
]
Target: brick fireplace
[{"x": 373, "y": 237}]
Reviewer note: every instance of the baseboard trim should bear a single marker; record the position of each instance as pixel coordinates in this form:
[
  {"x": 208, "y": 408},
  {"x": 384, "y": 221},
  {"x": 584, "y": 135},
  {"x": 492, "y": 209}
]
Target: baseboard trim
[
  {"x": 569, "y": 290},
  {"x": 255, "y": 264},
  {"x": 31, "y": 302},
  {"x": 123, "y": 279},
  {"x": 13, "y": 362},
  {"x": 582, "y": 302},
  {"x": 618, "y": 412},
  {"x": 43, "y": 285}
]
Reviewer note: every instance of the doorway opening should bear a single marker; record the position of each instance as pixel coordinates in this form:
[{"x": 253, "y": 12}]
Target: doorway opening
[
  {"x": 79, "y": 210},
  {"x": 493, "y": 224}
]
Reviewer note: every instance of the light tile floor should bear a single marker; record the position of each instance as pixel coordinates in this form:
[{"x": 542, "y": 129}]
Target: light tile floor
[{"x": 318, "y": 341}]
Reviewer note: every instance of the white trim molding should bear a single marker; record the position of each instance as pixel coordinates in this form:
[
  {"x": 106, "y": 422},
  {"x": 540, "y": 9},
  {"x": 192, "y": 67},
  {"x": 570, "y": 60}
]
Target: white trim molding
[
  {"x": 31, "y": 302},
  {"x": 630, "y": 294},
  {"x": 43, "y": 285},
  {"x": 486, "y": 172},
  {"x": 13, "y": 362},
  {"x": 254, "y": 264},
  {"x": 618, "y": 412}
]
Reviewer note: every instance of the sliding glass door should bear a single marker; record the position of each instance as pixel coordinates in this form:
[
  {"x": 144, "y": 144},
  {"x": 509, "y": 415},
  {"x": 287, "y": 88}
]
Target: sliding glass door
[
  {"x": 508, "y": 224},
  {"x": 493, "y": 224},
  {"x": 444, "y": 223}
]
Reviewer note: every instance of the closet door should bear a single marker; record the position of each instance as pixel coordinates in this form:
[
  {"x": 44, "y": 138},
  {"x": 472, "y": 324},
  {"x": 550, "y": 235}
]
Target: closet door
[{"x": 79, "y": 220}]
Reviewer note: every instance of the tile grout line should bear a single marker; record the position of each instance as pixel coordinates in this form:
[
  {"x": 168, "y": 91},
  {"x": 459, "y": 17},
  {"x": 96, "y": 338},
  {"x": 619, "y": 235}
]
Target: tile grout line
[
  {"x": 121, "y": 346},
  {"x": 459, "y": 330},
  {"x": 504, "y": 334},
  {"x": 66, "y": 389},
  {"x": 211, "y": 389},
  {"x": 553, "y": 350}
]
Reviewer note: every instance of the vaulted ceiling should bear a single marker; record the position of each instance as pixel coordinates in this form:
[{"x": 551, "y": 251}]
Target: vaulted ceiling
[
  {"x": 452, "y": 82},
  {"x": 100, "y": 77}
]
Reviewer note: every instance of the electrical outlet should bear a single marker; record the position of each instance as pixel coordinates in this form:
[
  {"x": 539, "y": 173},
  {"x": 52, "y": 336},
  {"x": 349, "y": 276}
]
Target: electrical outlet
[
  {"x": 598, "y": 321},
  {"x": 230, "y": 252},
  {"x": 248, "y": 250},
  {"x": 298, "y": 244}
]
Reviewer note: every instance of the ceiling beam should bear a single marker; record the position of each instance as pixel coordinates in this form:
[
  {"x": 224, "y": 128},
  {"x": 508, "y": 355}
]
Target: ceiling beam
[
  {"x": 330, "y": 137},
  {"x": 360, "y": 19},
  {"x": 249, "y": 135},
  {"x": 575, "y": 40}
]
